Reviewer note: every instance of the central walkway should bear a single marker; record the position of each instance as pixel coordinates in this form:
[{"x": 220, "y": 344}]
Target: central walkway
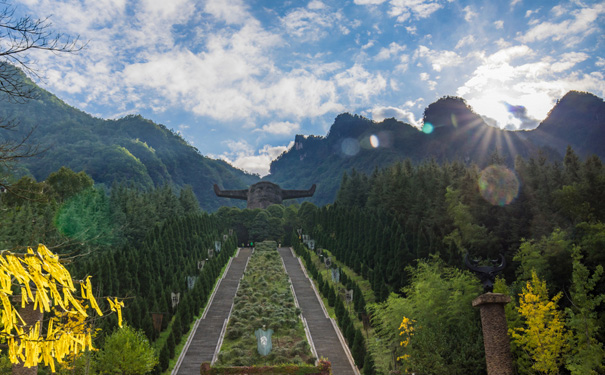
[
  {"x": 206, "y": 337},
  {"x": 323, "y": 333},
  {"x": 208, "y": 330}
]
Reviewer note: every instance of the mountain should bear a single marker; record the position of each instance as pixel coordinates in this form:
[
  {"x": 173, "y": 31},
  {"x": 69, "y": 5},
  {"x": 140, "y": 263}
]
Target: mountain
[
  {"x": 455, "y": 133},
  {"x": 578, "y": 120},
  {"x": 140, "y": 152},
  {"x": 132, "y": 149}
]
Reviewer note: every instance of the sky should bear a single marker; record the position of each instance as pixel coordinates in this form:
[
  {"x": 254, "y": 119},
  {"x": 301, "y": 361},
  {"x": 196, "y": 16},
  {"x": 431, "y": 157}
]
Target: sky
[{"x": 240, "y": 78}]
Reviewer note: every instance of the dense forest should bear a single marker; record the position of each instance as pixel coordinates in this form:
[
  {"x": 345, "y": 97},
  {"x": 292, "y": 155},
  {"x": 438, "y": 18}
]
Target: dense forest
[
  {"x": 397, "y": 238},
  {"x": 406, "y": 230}
]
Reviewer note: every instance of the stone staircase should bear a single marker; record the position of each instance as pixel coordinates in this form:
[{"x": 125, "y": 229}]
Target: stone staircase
[
  {"x": 206, "y": 335},
  {"x": 323, "y": 333}
]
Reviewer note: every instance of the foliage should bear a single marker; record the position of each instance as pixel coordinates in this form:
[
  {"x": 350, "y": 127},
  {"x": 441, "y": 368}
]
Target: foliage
[
  {"x": 544, "y": 336},
  {"x": 44, "y": 281},
  {"x": 587, "y": 354},
  {"x": 446, "y": 334},
  {"x": 127, "y": 351},
  {"x": 323, "y": 368}
]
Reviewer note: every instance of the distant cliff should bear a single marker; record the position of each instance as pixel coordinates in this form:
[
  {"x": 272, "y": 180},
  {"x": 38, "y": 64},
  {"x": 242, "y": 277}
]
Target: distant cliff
[{"x": 457, "y": 133}]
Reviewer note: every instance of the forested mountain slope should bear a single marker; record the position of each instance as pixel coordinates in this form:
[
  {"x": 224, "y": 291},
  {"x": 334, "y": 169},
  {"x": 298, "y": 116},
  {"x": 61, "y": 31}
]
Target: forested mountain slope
[
  {"x": 132, "y": 149},
  {"x": 455, "y": 133}
]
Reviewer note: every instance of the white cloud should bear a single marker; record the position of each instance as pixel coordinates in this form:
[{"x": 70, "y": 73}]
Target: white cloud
[
  {"x": 401, "y": 114},
  {"x": 468, "y": 13},
  {"x": 402, "y": 10},
  {"x": 530, "y": 12},
  {"x": 386, "y": 53},
  {"x": 280, "y": 127},
  {"x": 242, "y": 155},
  {"x": 572, "y": 30},
  {"x": 311, "y": 24},
  {"x": 600, "y": 62},
  {"x": 316, "y": 5},
  {"x": 499, "y": 24},
  {"x": 424, "y": 76},
  {"x": 360, "y": 84},
  {"x": 369, "y": 2},
  {"x": 229, "y": 11},
  {"x": 468, "y": 40},
  {"x": 438, "y": 59},
  {"x": 514, "y": 2}
]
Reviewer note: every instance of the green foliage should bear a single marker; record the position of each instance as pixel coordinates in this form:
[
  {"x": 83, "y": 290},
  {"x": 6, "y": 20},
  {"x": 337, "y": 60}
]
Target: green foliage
[
  {"x": 587, "y": 353},
  {"x": 550, "y": 258},
  {"x": 448, "y": 337},
  {"x": 126, "y": 351}
]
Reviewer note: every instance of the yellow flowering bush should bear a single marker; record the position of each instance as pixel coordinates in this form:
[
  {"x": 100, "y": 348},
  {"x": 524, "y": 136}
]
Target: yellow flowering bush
[
  {"x": 42, "y": 280},
  {"x": 406, "y": 329},
  {"x": 543, "y": 335}
]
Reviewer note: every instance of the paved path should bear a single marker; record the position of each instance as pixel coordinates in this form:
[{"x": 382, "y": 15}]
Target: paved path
[
  {"x": 323, "y": 333},
  {"x": 206, "y": 336}
]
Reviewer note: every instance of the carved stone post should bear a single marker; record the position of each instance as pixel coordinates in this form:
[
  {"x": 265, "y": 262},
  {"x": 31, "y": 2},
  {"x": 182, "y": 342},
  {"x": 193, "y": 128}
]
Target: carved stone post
[
  {"x": 495, "y": 333},
  {"x": 30, "y": 317}
]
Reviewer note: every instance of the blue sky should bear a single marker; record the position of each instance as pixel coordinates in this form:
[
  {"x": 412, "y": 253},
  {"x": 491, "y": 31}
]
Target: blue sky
[{"x": 240, "y": 78}]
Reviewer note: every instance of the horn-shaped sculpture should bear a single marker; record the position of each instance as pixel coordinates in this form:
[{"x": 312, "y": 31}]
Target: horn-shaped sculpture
[
  {"x": 263, "y": 194},
  {"x": 486, "y": 274}
]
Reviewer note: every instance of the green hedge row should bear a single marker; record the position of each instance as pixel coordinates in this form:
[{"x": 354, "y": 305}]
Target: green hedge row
[{"x": 323, "y": 368}]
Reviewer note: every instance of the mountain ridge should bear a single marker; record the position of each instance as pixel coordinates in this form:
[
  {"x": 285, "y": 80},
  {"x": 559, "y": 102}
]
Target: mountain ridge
[
  {"x": 455, "y": 133},
  {"x": 131, "y": 150},
  {"x": 140, "y": 152}
]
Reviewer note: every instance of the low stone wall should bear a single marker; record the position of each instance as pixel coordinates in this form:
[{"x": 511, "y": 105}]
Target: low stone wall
[{"x": 322, "y": 368}]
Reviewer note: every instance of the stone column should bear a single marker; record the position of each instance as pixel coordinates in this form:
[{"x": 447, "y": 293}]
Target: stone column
[
  {"x": 495, "y": 333},
  {"x": 30, "y": 317}
]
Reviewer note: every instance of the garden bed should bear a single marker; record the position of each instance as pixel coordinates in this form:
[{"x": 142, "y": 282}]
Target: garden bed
[{"x": 264, "y": 299}]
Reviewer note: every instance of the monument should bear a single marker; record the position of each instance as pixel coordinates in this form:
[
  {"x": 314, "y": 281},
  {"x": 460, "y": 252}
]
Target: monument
[
  {"x": 263, "y": 194},
  {"x": 493, "y": 318}
]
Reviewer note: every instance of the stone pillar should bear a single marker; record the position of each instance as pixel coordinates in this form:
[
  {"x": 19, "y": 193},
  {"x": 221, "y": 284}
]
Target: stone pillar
[
  {"x": 30, "y": 317},
  {"x": 495, "y": 333}
]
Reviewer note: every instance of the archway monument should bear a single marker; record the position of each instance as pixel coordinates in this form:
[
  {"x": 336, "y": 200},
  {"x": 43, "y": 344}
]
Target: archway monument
[{"x": 263, "y": 194}]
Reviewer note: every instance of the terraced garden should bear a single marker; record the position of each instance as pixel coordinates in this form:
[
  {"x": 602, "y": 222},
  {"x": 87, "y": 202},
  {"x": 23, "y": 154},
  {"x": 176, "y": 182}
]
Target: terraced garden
[{"x": 264, "y": 299}]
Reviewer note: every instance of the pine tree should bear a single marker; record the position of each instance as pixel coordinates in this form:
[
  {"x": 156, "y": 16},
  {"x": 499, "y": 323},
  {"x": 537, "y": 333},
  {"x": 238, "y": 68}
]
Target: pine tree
[{"x": 358, "y": 350}]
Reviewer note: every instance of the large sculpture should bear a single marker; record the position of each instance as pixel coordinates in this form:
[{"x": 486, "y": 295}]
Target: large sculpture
[{"x": 263, "y": 194}]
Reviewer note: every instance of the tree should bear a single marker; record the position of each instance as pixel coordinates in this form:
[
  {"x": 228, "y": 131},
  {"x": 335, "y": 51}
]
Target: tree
[
  {"x": 587, "y": 353},
  {"x": 438, "y": 299},
  {"x": 127, "y": 352},
  {"x": 543, "y": 336},
  {"x": 18, "y": 36},
  {"x": 46, "y": 287}
]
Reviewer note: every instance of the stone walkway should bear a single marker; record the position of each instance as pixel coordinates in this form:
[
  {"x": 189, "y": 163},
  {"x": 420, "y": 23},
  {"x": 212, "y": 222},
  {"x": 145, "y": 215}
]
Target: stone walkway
[
  {"x": 323, "y": 334},
  {"x": 208, "y": 329}
]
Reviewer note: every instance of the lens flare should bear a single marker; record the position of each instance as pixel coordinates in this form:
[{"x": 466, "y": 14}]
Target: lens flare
[
  {"x": 428, "y": 128},
  {"x": 454, "y": 120},
  {"x": 349, "y": 146},
  {"x": 498, "y": 185},
  {"x": 374, "y": 141}
]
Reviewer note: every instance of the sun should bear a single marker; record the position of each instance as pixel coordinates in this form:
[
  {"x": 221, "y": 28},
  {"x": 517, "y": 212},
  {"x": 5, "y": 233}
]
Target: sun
[{"x": 511, "y": 109}]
